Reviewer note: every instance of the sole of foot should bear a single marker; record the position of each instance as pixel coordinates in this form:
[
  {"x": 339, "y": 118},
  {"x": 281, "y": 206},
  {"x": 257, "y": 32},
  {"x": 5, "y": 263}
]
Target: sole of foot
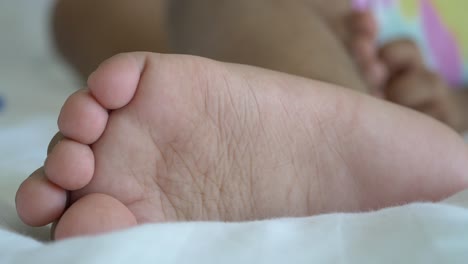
[{"x": 160, "y": 138}]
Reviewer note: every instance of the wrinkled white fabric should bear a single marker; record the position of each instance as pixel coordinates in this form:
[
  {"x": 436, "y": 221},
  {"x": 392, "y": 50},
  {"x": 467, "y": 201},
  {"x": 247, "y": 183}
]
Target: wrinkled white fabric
[{"x": 417, "y": 233}]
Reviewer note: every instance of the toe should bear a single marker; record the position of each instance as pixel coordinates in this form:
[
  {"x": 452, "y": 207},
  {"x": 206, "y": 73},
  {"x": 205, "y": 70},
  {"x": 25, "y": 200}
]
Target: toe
[
  {"x": 82, "y": 118},
  {"x": 363, "y": 28},
  {"x": 425, "y": 92},
  {"x": 401, "y": 54},
  {"x": 94, "y": 214},
  {"x": 38, "y": 201},
  {"x": 374, "y": 71},
  {"x": 363, "y": 23},
  {"x": 376, "y": 74},
  {"x": 413, "y": 88},
  {"x": 115, "y": 81},
  {"x": 364, "y": 50},
  {"x": 70, "y": 165}
]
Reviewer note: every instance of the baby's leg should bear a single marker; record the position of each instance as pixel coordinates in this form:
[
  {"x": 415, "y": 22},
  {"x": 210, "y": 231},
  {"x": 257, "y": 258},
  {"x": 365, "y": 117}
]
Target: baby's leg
[
  {"x": 306, "y": 38},
  {"x": 296, "y": 37},
  {"x": 87, "y": 32}
]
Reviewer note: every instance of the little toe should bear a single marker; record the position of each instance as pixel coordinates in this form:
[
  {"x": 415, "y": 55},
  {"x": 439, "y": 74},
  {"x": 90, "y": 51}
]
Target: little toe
[
  {"x": 115, "y": 81},
  {"x": 38, "y": 201},
  {"x": 413, "y": 88},
  {"x": 70, "y": 165},
  {"x": 425, "y": 91},
  {"x": 94, "y": 214},
  {"x": 82, "y": 118},
  {"x": 400, "y": 55}
]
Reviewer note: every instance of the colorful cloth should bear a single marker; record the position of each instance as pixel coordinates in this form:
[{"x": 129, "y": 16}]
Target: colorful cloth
[{"x": 437, "y": 26}]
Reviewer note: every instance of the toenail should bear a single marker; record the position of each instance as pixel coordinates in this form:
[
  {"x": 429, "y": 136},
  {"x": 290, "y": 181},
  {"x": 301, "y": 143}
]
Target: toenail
[{"x": 55, "y": 140}]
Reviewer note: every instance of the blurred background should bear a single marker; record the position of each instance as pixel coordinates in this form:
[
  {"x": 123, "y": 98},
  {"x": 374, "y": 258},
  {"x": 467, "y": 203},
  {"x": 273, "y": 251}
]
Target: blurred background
[
  {"x": 34, "y": 83},
  {"x": 30, "y": 70}
]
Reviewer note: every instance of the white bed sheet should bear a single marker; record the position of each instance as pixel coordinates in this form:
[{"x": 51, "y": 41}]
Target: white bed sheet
[
  {"x": 417, "y": 233},
  {"x": 34, "y": 83}
]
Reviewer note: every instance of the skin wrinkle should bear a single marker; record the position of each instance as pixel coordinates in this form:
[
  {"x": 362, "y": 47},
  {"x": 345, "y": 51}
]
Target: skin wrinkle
[
  {"x": 235, "y": 165},
  {"x": 242, "y": 152},
  {"x": 248, "y": 150},
  {"x": 130, "y": 170},
  {"x": 332, "y": 137},
  {"x": 201, "y": 86},
  {"x": 321, "y": 191},
  {"x": 208, "y": 183},
  {"x": 257, "y": 106},
  {"x": 248, "y": 173},
  {"x": 220, "y": 203},
  {"x": 253, "y": 202},
  {"x": 292, "y": 162},
  {"x": 190, "y": 172},
  {"x": 233, "y": 145},
  {"x": 261, "y": 125},
  {"x": 219, "y": 165},
  {"x": 308, "y": 193},
  {"x": 309, "y": 178},
  {"x": 162, "y": 191},
  {"x": 222, "y": 183},
  {"x": 353, "y": 122},
  {"x": 166, "y": 192}
]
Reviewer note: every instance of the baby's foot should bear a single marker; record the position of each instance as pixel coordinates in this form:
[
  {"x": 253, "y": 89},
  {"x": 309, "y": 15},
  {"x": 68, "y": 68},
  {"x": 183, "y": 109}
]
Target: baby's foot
[
  {"x": 363, "y": 46},
  {"x": 412, "y": 85},
  {"x": 159, "y": 138}
]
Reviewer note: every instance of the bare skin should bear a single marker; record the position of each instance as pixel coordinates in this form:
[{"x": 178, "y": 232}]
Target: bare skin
[
  {"x": 158, "y": 138},
  {"x": 413, "y": 85},
  {"x": 87, "y": 32}
]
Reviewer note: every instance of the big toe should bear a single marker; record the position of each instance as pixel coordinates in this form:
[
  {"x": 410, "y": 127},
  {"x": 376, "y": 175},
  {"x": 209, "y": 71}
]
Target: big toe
[
  {"x": 39, "y": 201},
  {"x": 94, "y": 214}
]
